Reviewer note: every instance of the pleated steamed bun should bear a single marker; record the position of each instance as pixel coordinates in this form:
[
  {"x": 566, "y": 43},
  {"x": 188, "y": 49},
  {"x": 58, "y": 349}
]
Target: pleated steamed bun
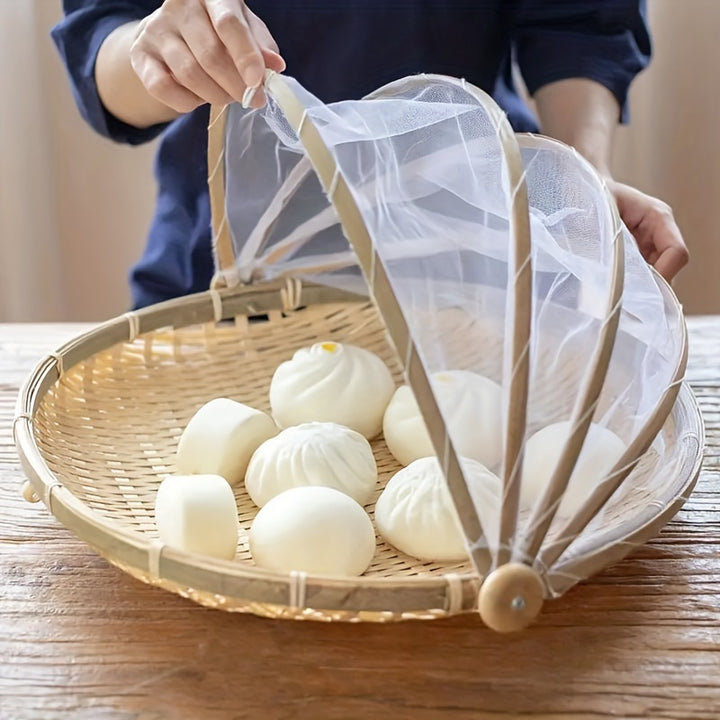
[
  {"x": 415, "y": 512},
  {"x": 332, "y": 382},
  {"x": 324, "y": 454}
]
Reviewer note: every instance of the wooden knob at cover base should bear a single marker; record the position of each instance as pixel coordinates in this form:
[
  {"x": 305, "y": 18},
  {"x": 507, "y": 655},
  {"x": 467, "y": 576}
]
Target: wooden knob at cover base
[{"x": 511, "y": 598}]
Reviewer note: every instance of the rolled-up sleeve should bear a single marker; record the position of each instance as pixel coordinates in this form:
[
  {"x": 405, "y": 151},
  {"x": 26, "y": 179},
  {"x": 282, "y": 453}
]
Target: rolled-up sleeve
[
  {"x": 78, "y": 37},
  {"x": 603, "y": 40}
]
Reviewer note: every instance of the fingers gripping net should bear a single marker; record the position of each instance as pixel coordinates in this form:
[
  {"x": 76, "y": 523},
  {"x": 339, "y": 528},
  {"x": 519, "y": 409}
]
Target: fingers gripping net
[{"x": 575, "y": 327}]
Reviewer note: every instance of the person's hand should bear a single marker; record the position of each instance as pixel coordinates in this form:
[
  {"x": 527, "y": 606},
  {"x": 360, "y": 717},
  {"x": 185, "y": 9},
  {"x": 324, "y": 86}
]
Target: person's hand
[
  {"x": 652, "y": 224},
  {"x": 191, "y": 52}
]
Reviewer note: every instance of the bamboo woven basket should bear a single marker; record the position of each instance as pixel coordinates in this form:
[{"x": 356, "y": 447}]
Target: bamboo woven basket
[{"x": 98, "y": 421}]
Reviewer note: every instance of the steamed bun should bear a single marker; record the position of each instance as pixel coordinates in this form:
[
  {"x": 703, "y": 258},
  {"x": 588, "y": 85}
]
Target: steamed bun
[
  {"x": 472, "y": 405},
  {"x": 415, "y": 512},
  {"x": 314, "y": 453},
  {"x": 197, "y": 514},
  {"x": 220, "y": 439},
  {"x": 332, "y": 382},
  {"x": 316, "y": 530},
  {"x": 601, "y": 450}
]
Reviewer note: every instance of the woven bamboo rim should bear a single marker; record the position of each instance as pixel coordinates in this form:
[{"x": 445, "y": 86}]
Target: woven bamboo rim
[{"x": 235, "y": 586}]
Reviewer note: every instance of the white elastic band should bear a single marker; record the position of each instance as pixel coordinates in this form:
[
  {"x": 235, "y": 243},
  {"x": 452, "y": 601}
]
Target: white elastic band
[
  {"x": 302, "y": 122},
  {"x": 133, "y": 325},
  {"x": 154, "y": 554},
  {"x": 522, "y": 267},
  {"x": 249, "y": 93},
  {"x": 371, "y": 284},
  {"x": 217, "y": 117},
  {"x": 48, "y": 494},
  {"x": 454, "y": 594},
  {"x": 220, "y": 229},
  {"x": 225, "y": 278},
  {"x": 297, "y": 589},
  {"x": 334, "y": 183},
  {"x": 408, "y": 356},
  {"x": 217, "y": 305},
  {"x": 20, "y": 416},
  {"x": 59, "y": 362},
  {"x": 248, "y": 96},
  {"x": 291, "y": 294},
  {"x": 218, "y": 165}
]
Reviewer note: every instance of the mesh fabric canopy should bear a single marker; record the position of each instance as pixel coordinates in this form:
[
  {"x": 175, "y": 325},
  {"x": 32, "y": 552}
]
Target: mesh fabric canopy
[{"x": 486, "y": 252}]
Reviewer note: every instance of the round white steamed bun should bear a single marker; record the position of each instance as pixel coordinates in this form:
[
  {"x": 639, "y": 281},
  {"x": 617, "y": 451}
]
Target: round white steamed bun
[
  {"x": 472, "y": 404},
  {"x": 415, "y": 512},
  {"x": 332, "y": 382},
  {"x": 315, "y": 453},
  {"x": 317, "y": 530},
  {"x": 601, "y": 450}
]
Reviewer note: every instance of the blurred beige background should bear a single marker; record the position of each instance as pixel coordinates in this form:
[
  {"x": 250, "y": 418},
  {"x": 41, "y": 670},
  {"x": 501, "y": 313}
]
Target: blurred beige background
[{"x": 74, "y": 208}]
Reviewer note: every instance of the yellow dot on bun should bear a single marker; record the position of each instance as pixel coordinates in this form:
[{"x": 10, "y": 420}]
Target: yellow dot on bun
[{"x": 330, "y": 347}]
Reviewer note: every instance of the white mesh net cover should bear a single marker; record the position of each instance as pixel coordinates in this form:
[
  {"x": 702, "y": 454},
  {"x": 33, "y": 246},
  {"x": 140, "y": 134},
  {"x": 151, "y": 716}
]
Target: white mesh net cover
[{"x": 428, "y": 163}]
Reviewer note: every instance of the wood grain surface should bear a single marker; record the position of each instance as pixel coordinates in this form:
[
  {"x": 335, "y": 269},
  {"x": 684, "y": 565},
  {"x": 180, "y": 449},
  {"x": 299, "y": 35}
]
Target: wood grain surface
[{"x": 81, "y": 640}]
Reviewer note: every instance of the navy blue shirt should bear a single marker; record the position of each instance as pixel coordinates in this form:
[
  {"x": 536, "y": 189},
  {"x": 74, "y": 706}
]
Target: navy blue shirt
[{"x": 343, "y": 49}]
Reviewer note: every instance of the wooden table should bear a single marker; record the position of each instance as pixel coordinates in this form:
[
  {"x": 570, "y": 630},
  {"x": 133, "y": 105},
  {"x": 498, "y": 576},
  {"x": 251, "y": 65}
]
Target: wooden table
[{"x": 81, "y": 640}]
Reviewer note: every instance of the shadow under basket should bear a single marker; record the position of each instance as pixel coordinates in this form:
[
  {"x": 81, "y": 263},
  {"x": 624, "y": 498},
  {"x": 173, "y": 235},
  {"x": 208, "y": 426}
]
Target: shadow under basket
[{"x": 98, "y": 424}]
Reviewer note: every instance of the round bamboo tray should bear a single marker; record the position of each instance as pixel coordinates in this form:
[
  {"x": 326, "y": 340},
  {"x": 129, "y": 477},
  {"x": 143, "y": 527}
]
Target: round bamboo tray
[{"x": 98, "y": 422}]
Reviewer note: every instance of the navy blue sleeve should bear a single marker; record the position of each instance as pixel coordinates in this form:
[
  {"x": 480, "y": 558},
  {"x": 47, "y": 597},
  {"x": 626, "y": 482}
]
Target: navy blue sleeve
[
  {"x": 78, "y": 37},
  {"x": 602, "y": 40}
]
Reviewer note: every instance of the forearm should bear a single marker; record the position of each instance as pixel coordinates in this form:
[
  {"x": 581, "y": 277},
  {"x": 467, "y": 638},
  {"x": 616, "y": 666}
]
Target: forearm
[
  {"x": 120, "y": 89},
  {"x": 581, "y": 113}
]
